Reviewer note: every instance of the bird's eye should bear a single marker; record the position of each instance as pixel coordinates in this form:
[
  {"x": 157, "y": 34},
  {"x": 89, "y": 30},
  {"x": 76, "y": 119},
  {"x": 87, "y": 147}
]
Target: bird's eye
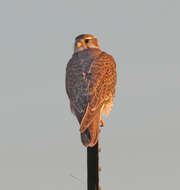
[{"x": 86, "y": 41}]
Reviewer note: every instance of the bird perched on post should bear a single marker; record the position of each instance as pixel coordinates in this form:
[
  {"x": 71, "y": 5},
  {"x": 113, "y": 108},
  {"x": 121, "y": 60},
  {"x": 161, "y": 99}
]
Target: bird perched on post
[{"x": 90, "y": 86}]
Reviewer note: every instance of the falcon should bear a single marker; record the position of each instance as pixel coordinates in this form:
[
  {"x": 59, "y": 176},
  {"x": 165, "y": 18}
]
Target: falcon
[{"x": 90, "y": 86}]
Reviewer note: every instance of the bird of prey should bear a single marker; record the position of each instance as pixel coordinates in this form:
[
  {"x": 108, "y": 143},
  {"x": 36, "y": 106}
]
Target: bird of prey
[{"x": 90, "y": 86}]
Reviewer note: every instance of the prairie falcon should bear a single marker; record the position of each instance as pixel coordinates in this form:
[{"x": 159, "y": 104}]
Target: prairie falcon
[{"x": 90, "y": 86}]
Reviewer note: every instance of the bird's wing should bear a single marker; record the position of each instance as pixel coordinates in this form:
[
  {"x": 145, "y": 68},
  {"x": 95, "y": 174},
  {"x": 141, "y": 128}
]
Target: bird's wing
[
  {"x": 77, "y": 84},
  {"x": 101, "y": 87}
]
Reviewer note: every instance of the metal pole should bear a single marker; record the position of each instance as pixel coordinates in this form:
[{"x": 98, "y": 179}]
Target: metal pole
[{"x": 93, "y": 168}]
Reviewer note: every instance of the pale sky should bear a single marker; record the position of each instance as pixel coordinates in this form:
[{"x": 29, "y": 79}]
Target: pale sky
[{"x": 40, "y": 145}]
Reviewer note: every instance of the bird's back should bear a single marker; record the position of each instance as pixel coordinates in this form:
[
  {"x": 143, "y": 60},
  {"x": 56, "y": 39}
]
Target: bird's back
[{"x": 90, "y": 85}]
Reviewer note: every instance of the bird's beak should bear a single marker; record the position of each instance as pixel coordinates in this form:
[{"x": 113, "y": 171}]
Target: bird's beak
[{"x": 79, "y": 44}]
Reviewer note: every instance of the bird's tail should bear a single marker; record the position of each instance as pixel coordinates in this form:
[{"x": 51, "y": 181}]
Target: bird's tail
[{"x": 90, "y": 136}]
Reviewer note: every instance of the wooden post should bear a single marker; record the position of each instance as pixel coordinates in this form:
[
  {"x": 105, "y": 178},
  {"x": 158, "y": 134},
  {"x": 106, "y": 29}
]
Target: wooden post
[{"x": 93, "y": 168}]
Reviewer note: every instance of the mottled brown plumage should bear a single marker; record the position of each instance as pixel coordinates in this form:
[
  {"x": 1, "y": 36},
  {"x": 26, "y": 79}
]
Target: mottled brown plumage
[{"x": 90, "y": 85}]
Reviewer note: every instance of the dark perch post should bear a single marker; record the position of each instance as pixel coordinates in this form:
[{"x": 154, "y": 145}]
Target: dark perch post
[{"x": 93, "y": 167}]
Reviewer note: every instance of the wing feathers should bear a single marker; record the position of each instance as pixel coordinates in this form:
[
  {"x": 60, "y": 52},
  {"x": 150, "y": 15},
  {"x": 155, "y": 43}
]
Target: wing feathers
[{"x": 90, "y": 82}]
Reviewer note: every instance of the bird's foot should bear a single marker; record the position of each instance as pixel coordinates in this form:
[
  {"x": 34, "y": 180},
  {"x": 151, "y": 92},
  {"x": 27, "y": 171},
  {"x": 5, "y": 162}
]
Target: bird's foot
[{"x": 101, "y": 123}]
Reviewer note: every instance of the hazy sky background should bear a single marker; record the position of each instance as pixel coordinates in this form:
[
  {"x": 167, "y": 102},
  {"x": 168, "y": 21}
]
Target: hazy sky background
[{"x": 40, "y": 146}]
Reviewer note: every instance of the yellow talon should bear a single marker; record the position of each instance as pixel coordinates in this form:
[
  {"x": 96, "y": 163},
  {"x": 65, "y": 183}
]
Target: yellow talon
[{"x": 102, "y": 123}]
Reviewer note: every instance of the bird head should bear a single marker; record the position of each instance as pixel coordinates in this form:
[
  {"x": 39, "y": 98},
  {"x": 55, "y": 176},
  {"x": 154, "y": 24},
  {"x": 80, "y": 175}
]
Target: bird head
[{"x": 85, "y": 41}]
